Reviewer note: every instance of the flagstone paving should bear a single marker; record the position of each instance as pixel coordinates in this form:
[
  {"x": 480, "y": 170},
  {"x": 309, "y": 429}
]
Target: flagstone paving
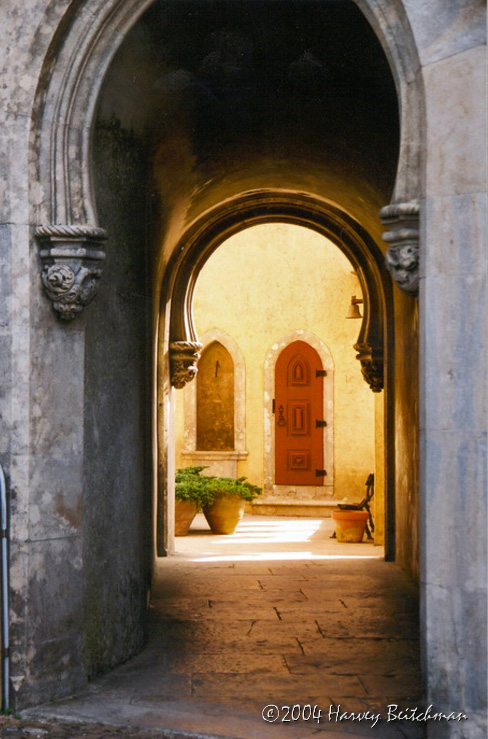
[{"x": 278, "y": 616}]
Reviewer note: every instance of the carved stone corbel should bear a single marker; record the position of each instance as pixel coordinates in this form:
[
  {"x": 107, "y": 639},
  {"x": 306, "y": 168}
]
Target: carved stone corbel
[
  {"x": 371, "y": 366},
  {"x": 402, "y": 257},
  {"x": 184, "y": 356},
  {"x": 71, "y": 265}
]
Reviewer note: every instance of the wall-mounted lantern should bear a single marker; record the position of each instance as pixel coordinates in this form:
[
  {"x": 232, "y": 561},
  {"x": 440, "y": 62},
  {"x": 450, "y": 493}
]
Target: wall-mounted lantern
[{"x": 354, "y": 311}]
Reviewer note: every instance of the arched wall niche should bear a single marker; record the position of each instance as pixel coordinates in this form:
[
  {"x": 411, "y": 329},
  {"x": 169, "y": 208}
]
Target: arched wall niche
[
  {"x": 224, "y": 462},
  {"x": 215, "y": 385}
]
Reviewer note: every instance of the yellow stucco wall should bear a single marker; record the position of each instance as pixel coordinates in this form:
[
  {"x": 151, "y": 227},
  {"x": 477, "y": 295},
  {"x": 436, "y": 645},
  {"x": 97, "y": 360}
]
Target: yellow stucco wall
[{"x": 264, "y": 283}]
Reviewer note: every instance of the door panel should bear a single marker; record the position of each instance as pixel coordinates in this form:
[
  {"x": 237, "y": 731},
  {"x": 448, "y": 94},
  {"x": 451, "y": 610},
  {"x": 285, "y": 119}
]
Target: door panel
[
  {"x": 299, "y": 384},
  {"x": 298, "y": 417}
]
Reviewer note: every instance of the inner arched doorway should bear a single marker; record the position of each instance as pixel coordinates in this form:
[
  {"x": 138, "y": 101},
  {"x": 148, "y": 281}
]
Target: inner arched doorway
[
  {"x": 265, "y": 289},
  {"x": 375, "y": 339}
]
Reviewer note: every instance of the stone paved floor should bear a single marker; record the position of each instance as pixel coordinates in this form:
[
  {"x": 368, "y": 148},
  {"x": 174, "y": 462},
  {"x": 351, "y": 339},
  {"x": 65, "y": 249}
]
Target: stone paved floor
[{"x": 278, "y": 614}]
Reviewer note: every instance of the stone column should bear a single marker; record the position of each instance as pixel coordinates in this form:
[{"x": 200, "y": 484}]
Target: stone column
[
  {"x": 47, "y": 500},
  {"x": 453, "y": 311}
]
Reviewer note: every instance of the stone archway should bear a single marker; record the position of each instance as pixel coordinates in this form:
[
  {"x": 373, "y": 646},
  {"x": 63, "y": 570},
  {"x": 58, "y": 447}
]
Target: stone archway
[
  {"x": 64, "y": 212},
  {"x": 73, "y": 74},
  {"x": 62, "y": 190},
  {"x": 65, "y": 58},
  {"x": 375, "y": 342}
]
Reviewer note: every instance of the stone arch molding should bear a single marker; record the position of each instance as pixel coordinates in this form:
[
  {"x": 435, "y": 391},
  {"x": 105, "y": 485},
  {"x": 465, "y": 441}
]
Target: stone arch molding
[
  {"x": 70, "y": 239},
  {"x": 328, "y": 411},
  {"x": 226, "y": 461},
  {"x": 82, "y": 48},
  {"x": 279, "y": 206}
]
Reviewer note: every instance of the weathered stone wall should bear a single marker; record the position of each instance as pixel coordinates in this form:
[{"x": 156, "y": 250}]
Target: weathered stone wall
[
  {"x": 453, "y": 369},
  {"x": 42, "y": 398},
  {"x": 451, "y": 42},
  {"x": 51, "y": 381},
  {"x": 117, "y": 404}
]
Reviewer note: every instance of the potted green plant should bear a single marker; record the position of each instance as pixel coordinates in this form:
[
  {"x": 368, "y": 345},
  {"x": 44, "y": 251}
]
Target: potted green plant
[
  {"x": 190, "y": 495},
  {"x": 226, "y": 499}
]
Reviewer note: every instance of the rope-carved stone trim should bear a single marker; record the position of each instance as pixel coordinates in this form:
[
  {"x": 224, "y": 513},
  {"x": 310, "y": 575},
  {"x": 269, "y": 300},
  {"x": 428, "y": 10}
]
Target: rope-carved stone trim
[
  {"x": 396, "y": 210},
  {"x": 71, "y": 269},
  {"x": 402, "y": 257},
  {"x": 184, "y": 356},
  {"x": 92, "y": 233},
  {"x": 372, "y": 366}
]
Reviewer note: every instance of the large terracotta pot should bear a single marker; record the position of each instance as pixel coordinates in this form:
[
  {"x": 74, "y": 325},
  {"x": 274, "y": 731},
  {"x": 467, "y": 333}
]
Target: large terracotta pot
[
  {"x": 224, "y": 514},
  {"x": 185, "y": 512},
  {"x": 350, "y": 525}
]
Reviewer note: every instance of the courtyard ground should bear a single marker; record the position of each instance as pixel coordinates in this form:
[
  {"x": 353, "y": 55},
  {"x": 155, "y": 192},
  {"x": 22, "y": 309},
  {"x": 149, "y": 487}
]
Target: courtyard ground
[{"x": 243, "y": 626}]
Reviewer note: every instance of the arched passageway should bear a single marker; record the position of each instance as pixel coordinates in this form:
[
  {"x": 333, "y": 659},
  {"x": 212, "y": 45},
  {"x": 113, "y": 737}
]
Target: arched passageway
[
  {"x": 267, "y": 286},
  {"x": 228, "y": 151},
  {"x": 374, "y": 337},
  {"x": 217, "y": 129},
  {"x": 120, "y": 132}
]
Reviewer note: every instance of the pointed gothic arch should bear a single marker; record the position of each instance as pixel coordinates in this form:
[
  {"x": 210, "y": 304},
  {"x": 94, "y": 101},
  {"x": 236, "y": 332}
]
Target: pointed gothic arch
[{"x": 72, "y": 76}]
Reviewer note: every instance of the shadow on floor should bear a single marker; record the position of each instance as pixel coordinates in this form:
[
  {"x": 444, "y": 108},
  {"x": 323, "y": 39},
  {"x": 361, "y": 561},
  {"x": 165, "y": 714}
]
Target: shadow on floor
[{"x": 277, "y": 615}]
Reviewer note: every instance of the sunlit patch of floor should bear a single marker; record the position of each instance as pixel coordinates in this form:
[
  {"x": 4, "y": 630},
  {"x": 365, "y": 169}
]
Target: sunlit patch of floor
[{"x": 260, "y": 538}]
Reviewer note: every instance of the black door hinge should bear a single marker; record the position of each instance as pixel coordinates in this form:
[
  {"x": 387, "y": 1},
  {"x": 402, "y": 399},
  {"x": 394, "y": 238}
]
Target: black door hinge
[
  {"x": 320, "y": 473},
  {"x": 320, "y": 424},
  {"x": 320, "y": 373}
]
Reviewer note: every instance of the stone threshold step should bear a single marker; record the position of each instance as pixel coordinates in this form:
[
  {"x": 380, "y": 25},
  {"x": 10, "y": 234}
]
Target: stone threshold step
[{"x": 306, "y": 507}]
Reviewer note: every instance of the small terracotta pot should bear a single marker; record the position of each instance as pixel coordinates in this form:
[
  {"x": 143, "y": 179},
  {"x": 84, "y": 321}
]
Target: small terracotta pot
[
  {"x": 185, "y": 512},
  {"x": 224, "y": 514},
  {"x": 350, "y": 525}
]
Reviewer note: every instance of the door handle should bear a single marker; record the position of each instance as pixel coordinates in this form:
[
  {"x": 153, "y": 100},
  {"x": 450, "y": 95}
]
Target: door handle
[{"x": 281, "y": 419}]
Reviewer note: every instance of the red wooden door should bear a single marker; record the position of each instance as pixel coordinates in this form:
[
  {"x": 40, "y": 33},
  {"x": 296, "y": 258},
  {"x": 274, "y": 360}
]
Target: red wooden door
[{"x": 299, "y": 422}]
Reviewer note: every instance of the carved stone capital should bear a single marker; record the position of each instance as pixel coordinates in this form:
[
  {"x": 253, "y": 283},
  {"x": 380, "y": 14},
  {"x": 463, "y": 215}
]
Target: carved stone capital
[
  {"x": 402, "y": 257},
  {"x": 184, "y": 356},
  {"x": 371, "y": 366},
  {"x": 71, "y": 265}
]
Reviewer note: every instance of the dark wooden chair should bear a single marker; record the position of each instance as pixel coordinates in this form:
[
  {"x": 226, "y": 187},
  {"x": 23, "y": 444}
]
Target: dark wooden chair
[{"x": 362, "y": 506}]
